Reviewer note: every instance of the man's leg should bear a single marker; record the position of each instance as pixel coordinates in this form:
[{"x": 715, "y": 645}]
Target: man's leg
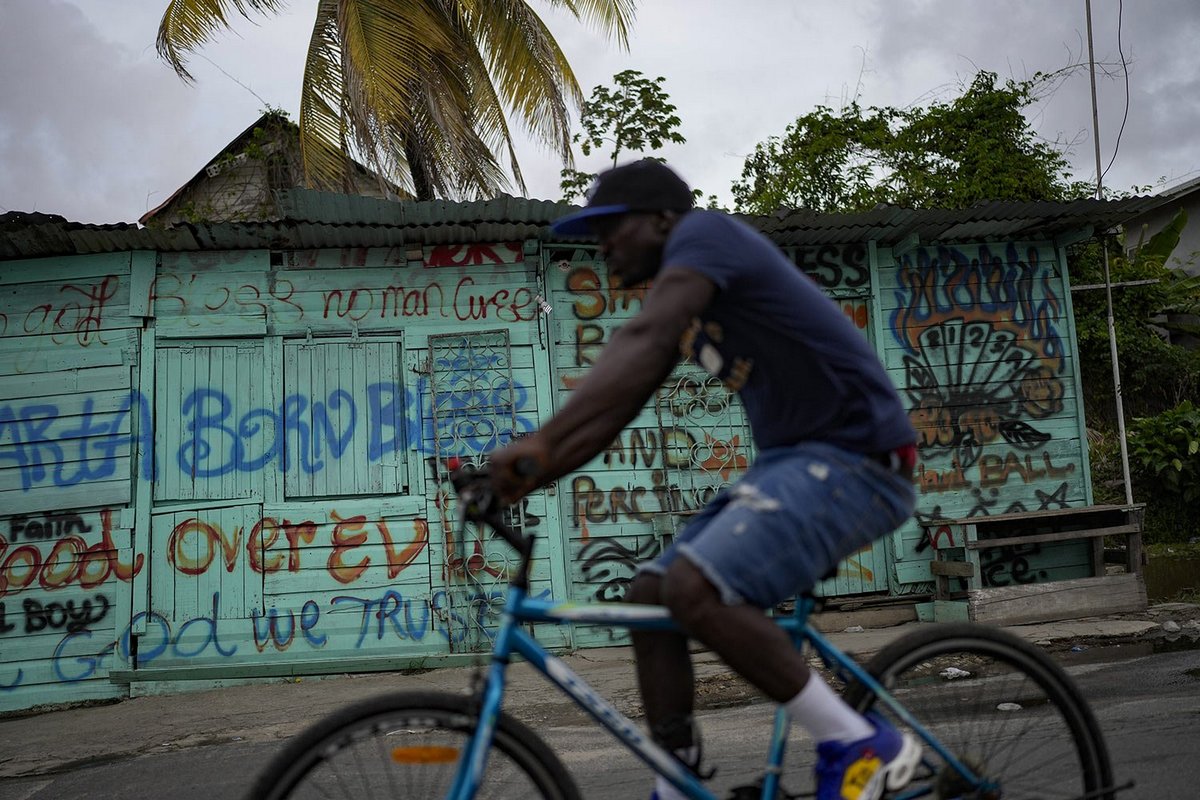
[
  {"x": 761, "y": 652},
  {"x": 742, "y": 635},
  {"x": 664, "y": 671}
]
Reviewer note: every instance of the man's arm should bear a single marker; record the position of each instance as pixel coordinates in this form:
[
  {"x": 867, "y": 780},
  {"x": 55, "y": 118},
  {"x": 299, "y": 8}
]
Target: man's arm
[{"x": 632, "y": 365}]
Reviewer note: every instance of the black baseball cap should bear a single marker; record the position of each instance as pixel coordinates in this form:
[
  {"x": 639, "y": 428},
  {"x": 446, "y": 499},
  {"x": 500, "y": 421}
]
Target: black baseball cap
[{"x": 645, "y": 185}]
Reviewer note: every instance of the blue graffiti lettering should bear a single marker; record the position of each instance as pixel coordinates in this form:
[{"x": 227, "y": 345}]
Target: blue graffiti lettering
[
  {"x": 90, "y": 662},
  {"x": 948, "y": 281},
  {"x": 158, "y": 640},
  {"x": 70, "y": 450},
  {"x": 279, "y": 634},
  {"x": 48, "y": 447},
  {"x": 14, "y": 683},
  {"x": 385, "y": 612},
  {"x": 274, "y": 628},
  {"x": 385, "y": 407},
  {"x": 310, "y": 614}
]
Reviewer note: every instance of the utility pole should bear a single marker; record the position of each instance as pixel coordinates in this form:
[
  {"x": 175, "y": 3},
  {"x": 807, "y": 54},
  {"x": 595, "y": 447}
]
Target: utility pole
[{"x": 1112, "y": 326}]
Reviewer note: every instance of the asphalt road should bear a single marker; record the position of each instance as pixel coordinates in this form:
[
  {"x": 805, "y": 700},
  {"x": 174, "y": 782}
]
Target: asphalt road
[{"x": 1148, "y": 706}]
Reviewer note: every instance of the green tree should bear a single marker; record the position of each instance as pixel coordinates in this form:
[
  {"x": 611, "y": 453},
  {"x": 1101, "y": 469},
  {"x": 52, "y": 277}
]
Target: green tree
[
  {"x": 635, "y": 114},
  {"x": 420, "y": 90},
  {"x": 1155, "y": 375},
  {"x": 978, "y": 146},
  {"x": 1160, "y": 382}
]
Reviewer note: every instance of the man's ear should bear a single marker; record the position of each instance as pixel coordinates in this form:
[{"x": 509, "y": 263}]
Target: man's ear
[{"x": 666, "y": 221}]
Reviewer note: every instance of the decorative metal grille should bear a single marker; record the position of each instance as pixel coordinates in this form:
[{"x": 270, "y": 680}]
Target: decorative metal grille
[
  {"x": 473, "y": 400},
  {"x": 705, "y": 435}
]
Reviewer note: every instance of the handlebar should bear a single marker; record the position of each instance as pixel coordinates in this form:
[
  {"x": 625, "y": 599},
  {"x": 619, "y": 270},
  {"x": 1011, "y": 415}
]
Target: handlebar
[{"x": 478, "y": 503}]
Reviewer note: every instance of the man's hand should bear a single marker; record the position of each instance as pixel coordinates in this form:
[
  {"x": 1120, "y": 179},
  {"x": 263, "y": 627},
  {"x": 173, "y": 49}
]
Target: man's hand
[{"x": 517, "y": 469}]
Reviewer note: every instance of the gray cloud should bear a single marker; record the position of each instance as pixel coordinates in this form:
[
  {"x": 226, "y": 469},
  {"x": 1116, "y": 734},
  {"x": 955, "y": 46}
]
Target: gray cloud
[{"x": 97, "y": 129}]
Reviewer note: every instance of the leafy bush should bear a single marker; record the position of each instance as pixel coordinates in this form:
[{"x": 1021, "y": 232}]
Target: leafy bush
[{"x": 1166, "y": 450}]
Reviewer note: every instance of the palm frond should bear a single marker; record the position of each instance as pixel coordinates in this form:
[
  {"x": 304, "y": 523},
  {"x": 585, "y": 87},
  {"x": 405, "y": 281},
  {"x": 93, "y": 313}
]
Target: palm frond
[
  {"x": 613, "y": 17},
  {"x": 529, "y": 71},
  {"x": 419, "y": 90},
  {"x": 324, "y": 129},
  {"x": 188, "y": 24},
  {"x": 492, "y": 123}
]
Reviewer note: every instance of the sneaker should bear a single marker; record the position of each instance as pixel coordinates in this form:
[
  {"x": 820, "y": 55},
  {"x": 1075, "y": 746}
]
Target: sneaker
[{"x": 862, "y": 770}]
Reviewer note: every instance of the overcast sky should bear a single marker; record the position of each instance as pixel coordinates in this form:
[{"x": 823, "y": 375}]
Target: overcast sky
[{"x": 93, "y": 126}]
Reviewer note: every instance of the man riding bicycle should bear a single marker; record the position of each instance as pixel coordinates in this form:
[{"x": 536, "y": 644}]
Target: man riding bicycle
[{"x": 834, "y": 471}]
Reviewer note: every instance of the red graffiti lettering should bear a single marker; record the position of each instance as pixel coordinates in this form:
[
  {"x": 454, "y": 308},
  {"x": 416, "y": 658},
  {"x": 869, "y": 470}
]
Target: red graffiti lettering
[{"x": 86, "y": 566}]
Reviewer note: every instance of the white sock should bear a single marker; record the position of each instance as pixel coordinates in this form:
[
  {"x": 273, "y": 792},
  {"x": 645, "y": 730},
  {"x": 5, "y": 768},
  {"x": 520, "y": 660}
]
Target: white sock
[
  {"x": 820, "y": 711},
  {"x": 663, "y": 788}
]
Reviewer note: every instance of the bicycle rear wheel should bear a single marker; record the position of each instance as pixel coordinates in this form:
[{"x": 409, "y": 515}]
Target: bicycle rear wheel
[
  {"x": 406, "y": 746},
  {"x": 1000, "y": 705}
]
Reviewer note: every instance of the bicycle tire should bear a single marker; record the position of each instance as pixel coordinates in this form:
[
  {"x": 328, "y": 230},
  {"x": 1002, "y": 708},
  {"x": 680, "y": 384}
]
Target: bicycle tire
[
  {"x": 1010, "y": 713},
  {"x": 347, "y": 754}
]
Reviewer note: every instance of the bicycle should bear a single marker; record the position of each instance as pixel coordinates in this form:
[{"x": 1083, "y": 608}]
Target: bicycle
[{"x": 957, "y": 686}]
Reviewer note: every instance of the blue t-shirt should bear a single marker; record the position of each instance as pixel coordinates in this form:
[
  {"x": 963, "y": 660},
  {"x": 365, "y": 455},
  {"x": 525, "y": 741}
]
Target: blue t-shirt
[{"x": 802, "y": 369}]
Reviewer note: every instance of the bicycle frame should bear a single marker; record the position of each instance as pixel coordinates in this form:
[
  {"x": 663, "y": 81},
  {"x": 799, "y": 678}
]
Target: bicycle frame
[{"x": 511, "y": 639}]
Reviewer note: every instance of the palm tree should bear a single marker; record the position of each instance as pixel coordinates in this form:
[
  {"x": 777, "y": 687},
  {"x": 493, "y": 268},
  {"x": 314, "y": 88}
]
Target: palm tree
[{"x": 419, "y": 89}]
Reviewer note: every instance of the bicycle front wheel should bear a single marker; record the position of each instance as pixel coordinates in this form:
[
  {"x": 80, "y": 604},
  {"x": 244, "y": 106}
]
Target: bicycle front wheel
[
  {"x": 406, "y": 746},
  {"x": 1001, "y": 706}
]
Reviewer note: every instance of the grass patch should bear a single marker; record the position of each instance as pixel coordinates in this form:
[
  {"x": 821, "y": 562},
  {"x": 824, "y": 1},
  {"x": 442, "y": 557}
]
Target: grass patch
[{"x": 1173, "y": 550}]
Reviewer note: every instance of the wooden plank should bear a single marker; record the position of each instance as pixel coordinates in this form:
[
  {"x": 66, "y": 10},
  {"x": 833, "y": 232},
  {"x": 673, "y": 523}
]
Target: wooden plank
[
  {"x": 28, "y": 355},
  {"x": 52, "y": 498},
  {"x": 1046, "y": 602},
  {"x": 59, "y": 384},
  {"x": 215, "y": 325},
  {"x": 1035, "y": 515},
  {"x": 1097, "y": 555},
  {"x": 953, "y": 569},
  {"x": 1057, "y": 536},
  {"x": 58, "y": 269}
]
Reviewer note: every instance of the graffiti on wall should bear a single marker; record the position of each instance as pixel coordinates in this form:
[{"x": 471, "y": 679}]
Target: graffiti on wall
[
  {"x": 60, "y": 573},
  {"x": 834, "y": 266},
  {"x": 49, "y": 447},
  {"x": 981, "y": 346},
  {"x": 360, "y": 624},
  {"x": 75, "y": 313},
  {"x": 71, "y": 560},
  {"x": 58, "y": 550},
  {"x": 670, "y": 465},
  {"x": 344, "y": 547},
  {"x": 198, "y": 284},
  {"x": 608, "y": 564}
]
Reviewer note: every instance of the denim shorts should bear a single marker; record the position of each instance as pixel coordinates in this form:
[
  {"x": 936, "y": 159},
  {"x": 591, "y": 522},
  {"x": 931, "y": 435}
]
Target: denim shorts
[{"x": 796, "y": 513}]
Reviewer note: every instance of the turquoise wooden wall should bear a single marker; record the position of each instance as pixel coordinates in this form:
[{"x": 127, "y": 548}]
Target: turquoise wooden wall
[
  {"x": 71, "y": 427},
  {"x": 229, "y": 463},
  {"x": 980, "y": 340}
]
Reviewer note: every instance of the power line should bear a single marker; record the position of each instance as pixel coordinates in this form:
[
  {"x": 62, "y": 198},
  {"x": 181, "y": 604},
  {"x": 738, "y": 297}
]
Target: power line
[{"x": 1125, "y": 72}]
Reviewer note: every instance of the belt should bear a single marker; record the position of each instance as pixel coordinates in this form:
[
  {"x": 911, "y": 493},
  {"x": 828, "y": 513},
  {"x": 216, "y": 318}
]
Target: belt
[{"x": 902, "y": 460}]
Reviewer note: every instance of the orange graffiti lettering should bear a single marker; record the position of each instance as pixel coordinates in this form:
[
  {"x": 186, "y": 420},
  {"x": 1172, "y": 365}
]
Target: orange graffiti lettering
[
  {"x": 295, "y": 533},
  {"x": 213, "y": 539},
  {"x": 257, "y": 547},
  {"x": 725, "y": 457},
  {"x": 994, "y": 470},
  {"x": 398, "y": 561},
  {"x": 347, "y": 534}
]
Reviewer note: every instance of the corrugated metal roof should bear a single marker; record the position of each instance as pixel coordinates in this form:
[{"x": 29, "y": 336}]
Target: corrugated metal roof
[{"x": 314, "y": 220}]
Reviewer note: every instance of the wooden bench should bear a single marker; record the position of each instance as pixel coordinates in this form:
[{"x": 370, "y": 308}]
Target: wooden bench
[{"x": 1036, "y": 566}]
